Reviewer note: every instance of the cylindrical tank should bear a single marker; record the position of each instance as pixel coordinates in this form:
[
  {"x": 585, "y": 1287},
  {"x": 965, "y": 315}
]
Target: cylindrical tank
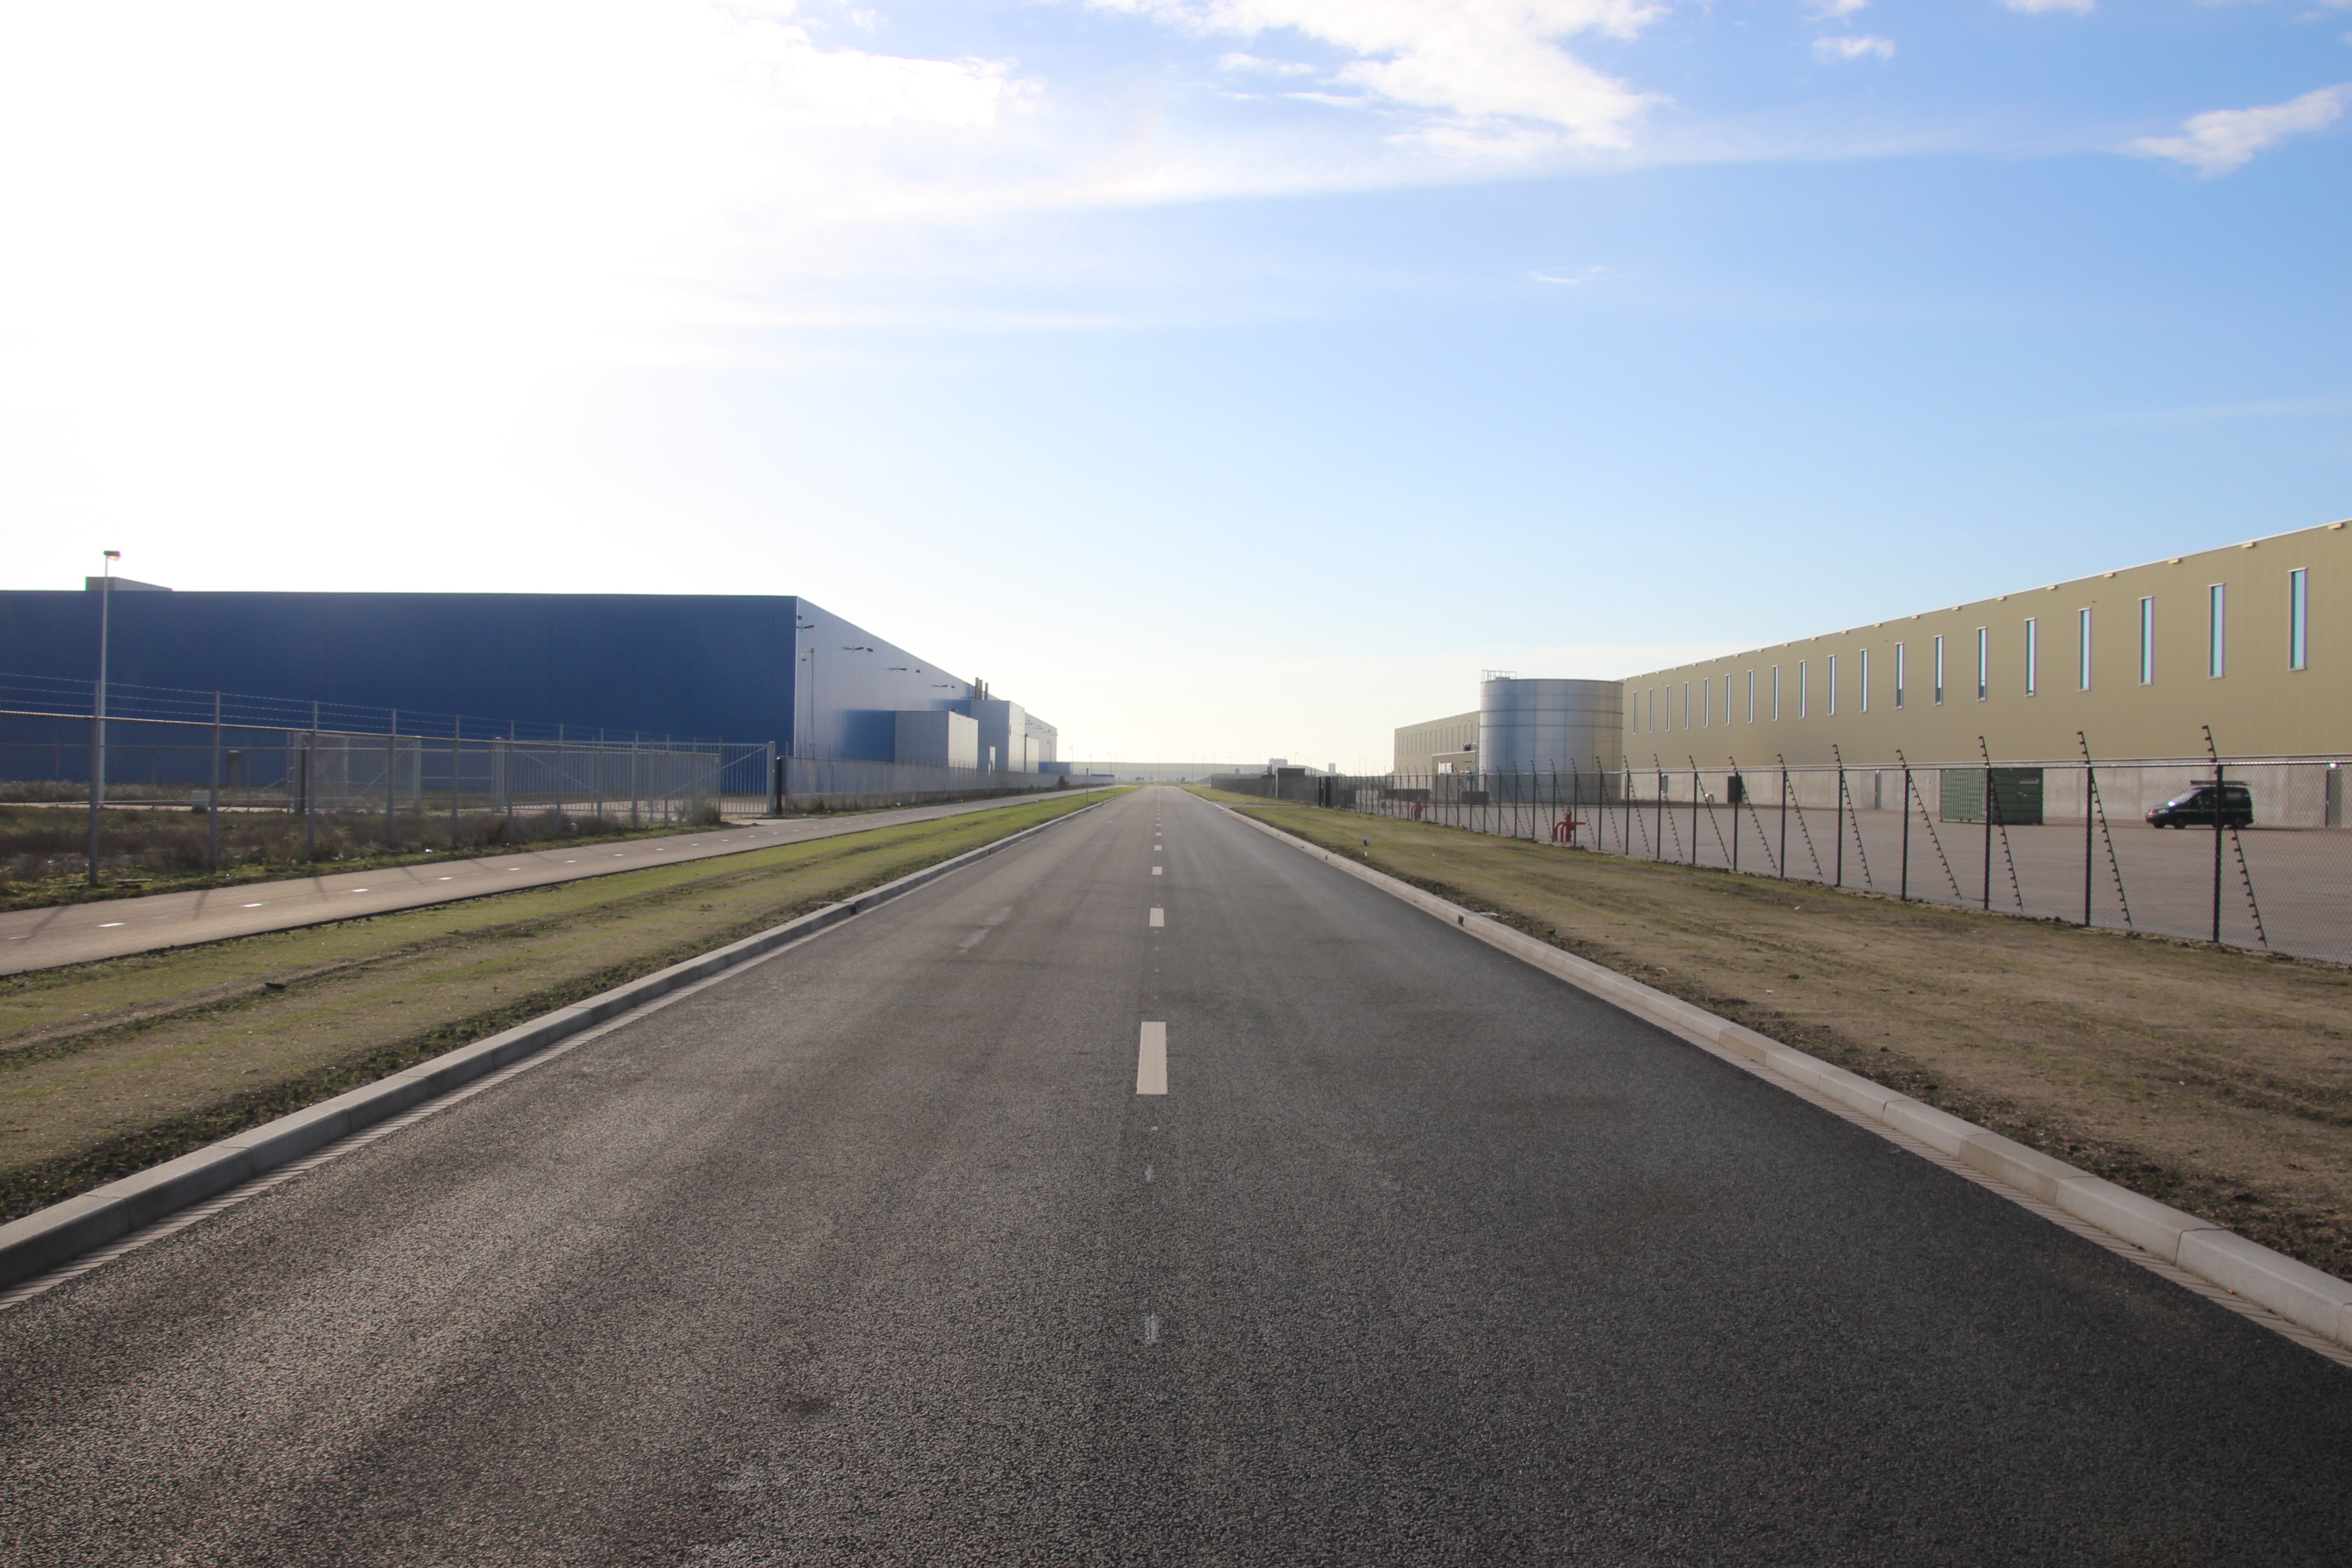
[{"x": 1549, "y": 726}]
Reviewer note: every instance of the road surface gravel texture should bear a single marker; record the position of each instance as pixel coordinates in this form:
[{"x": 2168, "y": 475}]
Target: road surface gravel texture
[{"x": 871, "y": 1253}]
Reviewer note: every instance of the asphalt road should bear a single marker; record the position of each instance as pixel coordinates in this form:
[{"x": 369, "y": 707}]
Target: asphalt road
[
  {"x": 872, "y": 1252},
  {"x": 111, "y": 928}
]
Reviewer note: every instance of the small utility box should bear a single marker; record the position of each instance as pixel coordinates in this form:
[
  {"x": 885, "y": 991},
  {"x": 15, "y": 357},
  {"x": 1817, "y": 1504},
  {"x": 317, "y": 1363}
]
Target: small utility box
[{"x": 2016, "y": 796}]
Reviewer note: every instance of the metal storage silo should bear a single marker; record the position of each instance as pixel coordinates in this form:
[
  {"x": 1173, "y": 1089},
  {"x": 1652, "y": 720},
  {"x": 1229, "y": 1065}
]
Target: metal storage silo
[{"x": 1549, "y": 726}]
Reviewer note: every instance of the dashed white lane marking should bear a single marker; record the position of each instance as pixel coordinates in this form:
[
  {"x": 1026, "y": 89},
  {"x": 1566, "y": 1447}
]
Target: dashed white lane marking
[
  {"x": 1160, "y": 917},
  {"x": 445, "y": 878},
  {"x": 1155, "y": 870},
  {"x": 108, "y": 925},
  {"x": 252, "y": 906},
  {"x": 1152, "y": 1060},
  {"x": 1150, "y": 1329},
  {"x": 1147, "y": 1169},
  {"x": 359, "y": 889}
]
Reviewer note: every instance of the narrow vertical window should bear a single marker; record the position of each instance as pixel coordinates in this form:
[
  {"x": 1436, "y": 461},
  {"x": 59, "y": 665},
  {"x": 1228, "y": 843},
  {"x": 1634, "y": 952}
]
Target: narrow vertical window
[
  {"x": 1898, "y": 675},
  {"x": 2147, "y": 642},
  {"x": 1833, "y": 683},
  {"x": 2030, "y": 630},
  {"x": 1705, "y": 701},
  {"x": 1940, "y": 672},
  {"x": 1686, "y": 724},
  {"x": 2298, "y": 619},
  {"x": 1751, "y": 697},
  {"x": 1984, "y": 663},
  {"x": 1862, "y": 677},
  {"x": 1776, "y": 691},
  {"x": 1652, "y": 726},
  {"x": 2082, "y": 650},
  {"x": 2217, "y": 639},
  {"x": 1800, "y": 689}
]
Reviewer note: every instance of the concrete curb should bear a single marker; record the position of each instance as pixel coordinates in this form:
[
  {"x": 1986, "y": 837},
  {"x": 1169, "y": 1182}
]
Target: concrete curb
[
  {"x": 2318, "y": 1303},
  {"x": 63, "y": 1232}
]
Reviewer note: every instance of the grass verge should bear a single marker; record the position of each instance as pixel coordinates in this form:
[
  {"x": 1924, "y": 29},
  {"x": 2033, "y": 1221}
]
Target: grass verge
[
  {"x": 2212, "y": 1078},
  {"x": 109, "y": 1068}
]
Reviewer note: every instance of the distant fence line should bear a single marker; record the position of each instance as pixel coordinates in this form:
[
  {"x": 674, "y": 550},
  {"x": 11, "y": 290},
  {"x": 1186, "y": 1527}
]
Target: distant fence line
[
  {"x": 452, "y": 789},
  {"x": 2062, "y": 840}
]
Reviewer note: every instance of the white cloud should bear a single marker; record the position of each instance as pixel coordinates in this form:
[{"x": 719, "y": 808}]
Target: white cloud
[
  {"x": 1487, "y": 70},
  {"x": 2222, "y": 139},
  {"x": 2043, "y": 7},
  {"x": 1830, "y": 10},
  {"x": 1239, "y": 62},
  {"x": 1847, "y": 48},
  {"x": 1590, "y": 275}
]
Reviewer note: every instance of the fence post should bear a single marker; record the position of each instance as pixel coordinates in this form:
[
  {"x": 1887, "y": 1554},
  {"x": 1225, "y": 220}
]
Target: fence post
[
  {"x": 2090, "y": 819},
  {"x": 559, "y": 779},
  {"x": 1987, "y": 828},
  {"x": 1737, "y": 796},
  {"x": 1837, "y": 821},
  {"x": 390, "y": 774},
  {"x": 2218, "y": 797},
  {"x": 1903, "y": 885},
  {"x": 775, "y": 783},
  {"x": 1694, "y": 810},
  {"x": 1783, "y": 861},
  {"x": 310, "y": 787},
  {"x": 457, "y": 735},
  {"x": 1658, "y": 849},
  {"x": 212, "y": 824}
]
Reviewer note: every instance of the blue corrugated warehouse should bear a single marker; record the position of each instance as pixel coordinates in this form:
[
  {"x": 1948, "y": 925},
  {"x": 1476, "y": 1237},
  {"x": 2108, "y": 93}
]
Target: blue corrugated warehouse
[{"x": 746, "y": 667}]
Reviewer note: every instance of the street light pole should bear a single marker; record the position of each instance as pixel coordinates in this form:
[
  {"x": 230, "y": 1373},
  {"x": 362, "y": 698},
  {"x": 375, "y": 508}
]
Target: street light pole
[{"x": 98, "y": 708}]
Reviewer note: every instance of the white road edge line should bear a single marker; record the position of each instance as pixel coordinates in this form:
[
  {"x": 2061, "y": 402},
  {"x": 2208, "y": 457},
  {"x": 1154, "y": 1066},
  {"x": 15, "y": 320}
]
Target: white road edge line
[
  {"x": 1152, "y": 1060},
  {"x": 2306, "y": 1305}
]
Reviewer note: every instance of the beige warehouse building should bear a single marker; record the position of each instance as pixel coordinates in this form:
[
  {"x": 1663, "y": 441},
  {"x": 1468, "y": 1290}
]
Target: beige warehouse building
[{"x": 2254, "y": 640}]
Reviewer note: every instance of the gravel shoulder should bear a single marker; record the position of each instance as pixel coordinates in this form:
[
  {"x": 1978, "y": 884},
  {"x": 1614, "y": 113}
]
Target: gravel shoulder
[{"x": 2214, "y": 1080}]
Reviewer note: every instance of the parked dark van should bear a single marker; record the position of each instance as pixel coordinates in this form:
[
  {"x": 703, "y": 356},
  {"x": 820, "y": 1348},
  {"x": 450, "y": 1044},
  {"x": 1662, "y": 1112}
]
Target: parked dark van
[{"x": 2196, "y": 808}]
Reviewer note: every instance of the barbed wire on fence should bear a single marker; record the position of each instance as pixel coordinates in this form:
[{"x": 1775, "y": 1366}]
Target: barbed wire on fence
[{"x": 2059, "y": 830}]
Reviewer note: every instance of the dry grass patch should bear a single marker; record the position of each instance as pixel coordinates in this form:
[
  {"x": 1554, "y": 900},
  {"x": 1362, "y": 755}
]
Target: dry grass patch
[{"x": 2212, "y": 1079}]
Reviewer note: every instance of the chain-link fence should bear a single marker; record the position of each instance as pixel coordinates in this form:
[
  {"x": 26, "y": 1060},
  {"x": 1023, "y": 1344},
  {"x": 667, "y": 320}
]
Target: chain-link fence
[
  {"x": 197, "y": 781},
  {"x": 2248, "y": 851}
]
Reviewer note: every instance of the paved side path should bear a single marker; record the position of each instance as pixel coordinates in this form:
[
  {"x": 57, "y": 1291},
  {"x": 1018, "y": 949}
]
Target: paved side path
[
  {"x": 872, "y": 1253},
  {"x": 111, "y": 928}
]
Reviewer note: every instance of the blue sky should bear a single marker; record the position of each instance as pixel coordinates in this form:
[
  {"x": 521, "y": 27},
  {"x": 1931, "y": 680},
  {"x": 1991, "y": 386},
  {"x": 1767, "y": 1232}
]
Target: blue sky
[{"x": 1223, "y": 378}]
